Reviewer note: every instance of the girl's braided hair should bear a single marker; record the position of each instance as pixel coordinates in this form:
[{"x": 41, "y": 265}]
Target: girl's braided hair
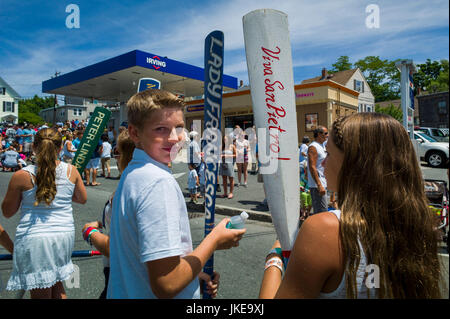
[{"x": 384, "y": 207}]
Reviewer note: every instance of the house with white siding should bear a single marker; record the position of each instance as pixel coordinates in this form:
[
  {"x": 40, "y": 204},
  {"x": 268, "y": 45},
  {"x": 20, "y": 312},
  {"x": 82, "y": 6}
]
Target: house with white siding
[
  {"x": 353, "y": 79},
  {"x": 9, "y": 103}
]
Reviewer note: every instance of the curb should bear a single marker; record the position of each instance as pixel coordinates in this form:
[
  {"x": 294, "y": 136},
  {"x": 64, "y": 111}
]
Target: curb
[{"x": 231, "y": 211}]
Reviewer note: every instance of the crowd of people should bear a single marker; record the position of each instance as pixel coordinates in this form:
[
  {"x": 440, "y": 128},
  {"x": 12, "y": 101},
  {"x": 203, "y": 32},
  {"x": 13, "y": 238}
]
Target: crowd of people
[
  {"x": 238, "y": 147},
  {"x": 16, "y": 147},
  {"x": 382, "y": 217}
]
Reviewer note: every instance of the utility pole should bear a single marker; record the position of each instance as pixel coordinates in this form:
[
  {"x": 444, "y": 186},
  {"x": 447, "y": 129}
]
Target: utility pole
[{"x": 56, "y": 101}]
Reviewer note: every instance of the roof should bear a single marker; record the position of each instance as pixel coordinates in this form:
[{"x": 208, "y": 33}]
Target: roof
[
  {"x": 117, "y": 78},
  {"x": 426, "y": 94},
  {"x": 9, "y": 88},
  {"x": 341, "y": 77}
]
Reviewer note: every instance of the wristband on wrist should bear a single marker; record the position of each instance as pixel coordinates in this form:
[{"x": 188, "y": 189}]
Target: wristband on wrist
[
  {"x": 95, "y": 230},
  {"x": 275, "y": 262},
  {"x": 277, "y": 251},
  {"x": 86, "y": 232}
]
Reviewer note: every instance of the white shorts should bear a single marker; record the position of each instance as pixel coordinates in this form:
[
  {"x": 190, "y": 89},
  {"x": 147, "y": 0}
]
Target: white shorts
[{"x": 93, "y": 163}]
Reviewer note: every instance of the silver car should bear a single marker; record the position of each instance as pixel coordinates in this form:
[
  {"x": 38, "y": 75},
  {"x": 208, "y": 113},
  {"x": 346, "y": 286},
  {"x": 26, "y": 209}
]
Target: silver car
[
  {"x": 433, "y": 152},
  {"x": 439, "y": 134}
]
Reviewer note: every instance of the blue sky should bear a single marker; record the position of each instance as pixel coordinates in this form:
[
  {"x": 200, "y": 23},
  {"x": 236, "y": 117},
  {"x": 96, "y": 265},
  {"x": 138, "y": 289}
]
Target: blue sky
[{"x": 35, "y": 42}]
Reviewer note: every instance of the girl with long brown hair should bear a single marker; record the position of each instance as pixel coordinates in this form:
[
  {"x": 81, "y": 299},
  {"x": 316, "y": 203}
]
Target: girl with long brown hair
[
  {"x": 382, "y": 242},
  {"x": 100, "y": 240},
  {"x": 45, "y": 234}
]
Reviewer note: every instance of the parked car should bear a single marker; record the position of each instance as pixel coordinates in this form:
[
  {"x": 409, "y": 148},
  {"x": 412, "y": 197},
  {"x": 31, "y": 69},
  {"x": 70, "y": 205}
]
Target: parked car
[
  {"x": 431, "y": 151},
  {"x": 439, "y": 134}
]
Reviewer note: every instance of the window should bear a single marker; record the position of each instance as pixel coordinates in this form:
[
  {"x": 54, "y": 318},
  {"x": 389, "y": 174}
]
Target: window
[
  {"x": 358, "y": 86},
  {"x": 368, "y": 108},
  {"x": 442, "y": 107},
  {"x": 77, "y": 112},
  {"x": 2, "y": 91},
  {"x": 8, "y": 106},
  {"x": 437, "y": 132}
]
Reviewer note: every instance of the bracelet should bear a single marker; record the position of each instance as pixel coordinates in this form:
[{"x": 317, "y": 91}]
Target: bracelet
[
  {"x": 275, "y": 262},
  {"x": 277, "y": 251},
  {"x": 86, "y": 232},
  {"x": 95, "y": 230}
]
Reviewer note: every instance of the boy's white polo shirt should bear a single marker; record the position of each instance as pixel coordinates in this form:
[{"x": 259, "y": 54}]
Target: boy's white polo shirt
[{"x": 149, "y": 222}]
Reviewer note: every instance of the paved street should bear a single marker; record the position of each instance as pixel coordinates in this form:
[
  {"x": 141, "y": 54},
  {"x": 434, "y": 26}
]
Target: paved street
[{"x": 241, "y": 268}]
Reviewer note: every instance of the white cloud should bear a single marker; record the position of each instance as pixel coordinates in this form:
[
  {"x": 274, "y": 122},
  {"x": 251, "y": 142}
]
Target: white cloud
[{"x": 320, "y": 31}]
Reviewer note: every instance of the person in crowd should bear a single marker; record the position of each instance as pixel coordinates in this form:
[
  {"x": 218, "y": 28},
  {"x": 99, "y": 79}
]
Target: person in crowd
[
  {"x": 193, "y": 183},
  {"x": 383, "y": 224},
  {"x": 194, "y": 153},
  {"x": 151, "y": 253},
  {"x": 111, "y": 135},
  {"x": 303, "y": 150},
  {"x": 78, "y": 136},
  {"x": 69, "y": 149},
  {"x": 45, "y": 235},
  {"x": 106, "y": 156},
  {"x": 27, "y": 141},
  {"x": 19, "y": 138},
  {"x": 202, "y": 179},
  {"x": 93, "y": 165},
  {"x": 305, "y": 195},
  {"x": 316, "y": 178},
  {"x": 226, "y": 169},
  {"x": 252, "y": 140},
  {"x": 100, "y": 240},
  {"x": 242, "y": 150},
  {"x": 10, "y": 159},
  {"x": 10, "y": 135}
]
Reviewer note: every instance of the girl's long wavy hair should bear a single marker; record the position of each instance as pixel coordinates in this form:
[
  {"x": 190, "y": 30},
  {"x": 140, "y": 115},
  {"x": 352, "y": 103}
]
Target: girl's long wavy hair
[
  {"x": 47, "y": 144},
  {"x": 381, "y": 196}
]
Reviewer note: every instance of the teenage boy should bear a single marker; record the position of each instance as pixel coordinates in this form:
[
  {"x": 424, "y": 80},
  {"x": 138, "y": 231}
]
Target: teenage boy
[{"x": 151, "y": 253}]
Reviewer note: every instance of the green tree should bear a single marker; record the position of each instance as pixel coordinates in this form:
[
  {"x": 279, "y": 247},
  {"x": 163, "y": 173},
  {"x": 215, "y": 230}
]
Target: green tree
[
  {"x": 382, "y": 76},
  {"x": 391, "y": 110},
  {"x": 342, "y": 64},
  {"x": 30, "y": 118},
  {"x": 29, "y": 108},
  {"x": 431, "y": 76}
]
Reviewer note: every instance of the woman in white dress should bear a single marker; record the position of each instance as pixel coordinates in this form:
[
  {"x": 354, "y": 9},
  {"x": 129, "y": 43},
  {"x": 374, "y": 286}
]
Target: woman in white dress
[{"x": 45, "y": 234}]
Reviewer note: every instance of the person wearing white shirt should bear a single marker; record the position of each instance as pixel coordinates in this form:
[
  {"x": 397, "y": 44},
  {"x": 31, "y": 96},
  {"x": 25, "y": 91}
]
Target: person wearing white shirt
[
  {"x": 106, "y": 156},
  {"x": 316, "y": 178}
]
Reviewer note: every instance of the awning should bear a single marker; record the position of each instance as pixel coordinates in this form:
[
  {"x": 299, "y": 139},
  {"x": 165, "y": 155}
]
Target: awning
[{"x": 116, "y": 79}]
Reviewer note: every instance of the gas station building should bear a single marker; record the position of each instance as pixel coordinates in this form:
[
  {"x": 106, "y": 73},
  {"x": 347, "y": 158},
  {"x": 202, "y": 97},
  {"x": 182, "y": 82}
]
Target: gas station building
[{"x": 115, "y": 80}]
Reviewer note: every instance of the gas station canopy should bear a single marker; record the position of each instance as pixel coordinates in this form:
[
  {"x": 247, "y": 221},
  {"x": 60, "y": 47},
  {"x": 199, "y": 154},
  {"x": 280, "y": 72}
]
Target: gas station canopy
[{"x": 117, "y": 79}]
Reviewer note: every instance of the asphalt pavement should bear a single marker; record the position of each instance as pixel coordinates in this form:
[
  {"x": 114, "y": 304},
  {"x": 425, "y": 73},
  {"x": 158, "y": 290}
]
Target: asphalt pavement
[{"x": 240, "y": 268}]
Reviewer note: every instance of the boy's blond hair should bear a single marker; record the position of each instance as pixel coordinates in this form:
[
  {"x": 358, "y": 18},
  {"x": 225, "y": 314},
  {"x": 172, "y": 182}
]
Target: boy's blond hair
[{"x": 142, "y": 105}]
